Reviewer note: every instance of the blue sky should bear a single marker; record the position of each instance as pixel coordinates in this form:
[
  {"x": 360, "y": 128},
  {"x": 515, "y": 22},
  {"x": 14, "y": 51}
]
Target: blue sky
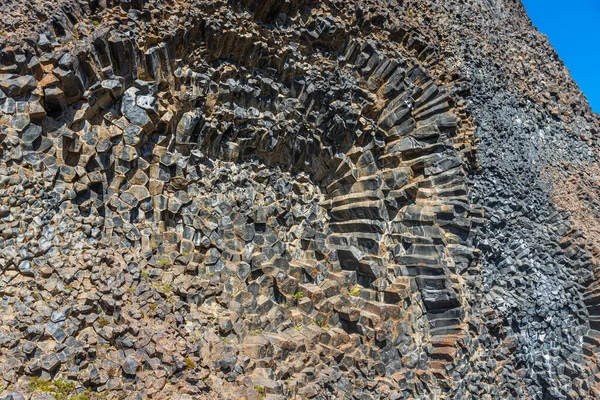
[{"x": 573, "y": 28}]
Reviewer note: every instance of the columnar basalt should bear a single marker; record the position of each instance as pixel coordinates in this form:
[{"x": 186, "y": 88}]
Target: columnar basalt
[{"x": 280, "y": 199}]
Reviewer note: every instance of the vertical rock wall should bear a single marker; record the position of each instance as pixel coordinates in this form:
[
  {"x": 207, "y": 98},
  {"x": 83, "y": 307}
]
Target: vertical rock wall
[{"x": 290, "y": 200}]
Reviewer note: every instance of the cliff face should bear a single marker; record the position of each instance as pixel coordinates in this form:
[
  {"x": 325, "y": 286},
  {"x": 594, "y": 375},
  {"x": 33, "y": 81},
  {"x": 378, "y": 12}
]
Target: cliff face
[{"x": 293, "y": 199}]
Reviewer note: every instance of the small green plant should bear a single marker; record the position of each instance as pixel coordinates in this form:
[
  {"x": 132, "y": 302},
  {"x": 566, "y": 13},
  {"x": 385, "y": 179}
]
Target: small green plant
[
  {"x": 167, "y": 288},
  {"x": 321, "y": 323},
  {"x": 298, "y": 327},
  {"x": 131, "y": 289},
  {"x": 95, "y": 22},
  {"x": 297, "y": 296},
  {"x": 153, "y": 246},
  {"x": 2, "y": 387},
  {"x": 355, "y": 292},
  {"x": 103, "y": 321},
  {"x": 164, "y": 261},
  {"x": 144, "y": 275},
  {"x": 190, "y": 363},
  {"x": 152, "y": 306},
  {"x": 87, "y": 395},
  {"x": 259, "y": 389},
  {"x": 224, "y": 339},
  {"x": 186, "y": 253},
  {"x": 60, "y": 390},
  {"x": 254, "y": 332}
]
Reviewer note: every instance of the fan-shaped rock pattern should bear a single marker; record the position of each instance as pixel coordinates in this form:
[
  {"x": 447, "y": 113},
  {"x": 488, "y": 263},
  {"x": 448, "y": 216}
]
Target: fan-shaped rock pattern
[{"x": 247, "y": 199}]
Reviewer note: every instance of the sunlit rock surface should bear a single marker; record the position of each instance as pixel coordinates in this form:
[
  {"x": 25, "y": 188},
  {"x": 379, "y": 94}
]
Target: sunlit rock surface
[{"x": 293, "y": 199}]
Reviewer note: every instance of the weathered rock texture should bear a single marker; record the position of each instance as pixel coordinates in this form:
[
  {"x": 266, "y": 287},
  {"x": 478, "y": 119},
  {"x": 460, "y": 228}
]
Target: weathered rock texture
[{"x": 294, "y": 199}]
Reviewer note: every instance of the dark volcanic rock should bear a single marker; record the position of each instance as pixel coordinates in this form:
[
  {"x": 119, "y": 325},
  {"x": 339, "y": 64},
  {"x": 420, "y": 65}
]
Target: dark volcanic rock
[{"x": 293, "y": 199}]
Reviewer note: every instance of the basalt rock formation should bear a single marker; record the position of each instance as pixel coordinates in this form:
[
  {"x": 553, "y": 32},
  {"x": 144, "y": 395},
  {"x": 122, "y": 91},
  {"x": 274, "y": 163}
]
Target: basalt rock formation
[{"x": 293, "y": 199}]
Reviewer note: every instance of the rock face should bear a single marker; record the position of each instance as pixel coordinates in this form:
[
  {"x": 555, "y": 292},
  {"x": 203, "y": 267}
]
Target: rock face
[{"x": 294, "y": 199}]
